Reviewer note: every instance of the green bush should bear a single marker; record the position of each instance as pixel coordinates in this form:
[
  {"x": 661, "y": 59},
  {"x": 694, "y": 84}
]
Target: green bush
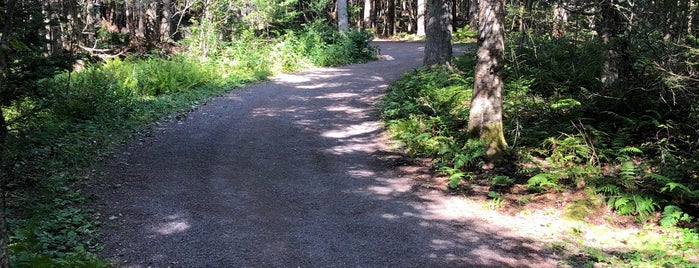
[
  {"x": 568, "y": 130},
  {"x": 81, "y": 116}
]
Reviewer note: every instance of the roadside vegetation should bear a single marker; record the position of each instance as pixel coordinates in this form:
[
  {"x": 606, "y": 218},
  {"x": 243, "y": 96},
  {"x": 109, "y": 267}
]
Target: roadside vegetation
[
  {"x": 631, "y": 148},
  {"x": 72, "y": 119}
]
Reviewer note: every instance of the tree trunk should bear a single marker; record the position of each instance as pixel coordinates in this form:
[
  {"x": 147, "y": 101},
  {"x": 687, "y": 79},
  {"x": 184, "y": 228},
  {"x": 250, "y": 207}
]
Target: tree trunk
[
  {"x": 607, "y": 30},
  {"x": 485, "y": 119},
  {"x": 438, "y": 47},
  {"x": 342, "y": 20},
  {"x": 166, "y": 25},
  {"x": 560, "y": 21},
  {"x": 367, "y": 14},
  {"x": 690, "y": 16},
  {"x": 473, "y": 14},
  {"x": 391, "y": 17},
  {"x": 421, "y": 10}
]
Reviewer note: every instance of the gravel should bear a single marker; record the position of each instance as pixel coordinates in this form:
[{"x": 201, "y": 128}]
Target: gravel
[{"x": 292, "y": 173}]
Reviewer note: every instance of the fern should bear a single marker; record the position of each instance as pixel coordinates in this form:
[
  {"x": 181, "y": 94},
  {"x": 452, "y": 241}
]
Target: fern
[
  {"x": 673, "y": 215},
  {"x": 455, "y": 179},
  {"x": 609, "y": 190},
  {"x": 540, "y": 181},
  {"x": 633, "y": 204},
  {"x": 502, "y": 180}
]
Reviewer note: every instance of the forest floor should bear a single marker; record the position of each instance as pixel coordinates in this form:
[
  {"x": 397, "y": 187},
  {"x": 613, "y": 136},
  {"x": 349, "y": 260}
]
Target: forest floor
[{"x": 298, "y": 172}]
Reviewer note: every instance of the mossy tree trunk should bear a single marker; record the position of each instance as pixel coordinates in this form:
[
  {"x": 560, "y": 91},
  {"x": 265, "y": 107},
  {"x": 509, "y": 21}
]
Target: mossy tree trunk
[{"x": 485, "y": 119}]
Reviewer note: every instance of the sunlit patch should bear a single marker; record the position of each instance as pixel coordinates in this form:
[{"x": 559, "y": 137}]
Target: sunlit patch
[
  {"x": 442, "y": 244},
  {"x": 353, "y": 130},
  {"x": 346, "y": 109},
  {"x": 336, "y": 96},
  {"x": 174, "y": 225},
  {"x": 355, "y": 146},
  {"x": 390, "y": 187},
  {"x": 321, "y": 85},
  {"x": 361, "y": 173},
  {"x": 273, "y": 112},
  {"x": 291, "y": 78},
  {"x": 389, "y": 216}
]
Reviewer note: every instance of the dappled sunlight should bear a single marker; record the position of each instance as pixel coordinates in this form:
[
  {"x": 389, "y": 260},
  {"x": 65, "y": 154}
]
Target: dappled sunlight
[
  {"x": 273, "y": 112},
  {"x": 291, "y": 78},
  {"x": 338, "y": 96},
  {"x": 362, "y": 173},
  {"x": 174, "y": 224},
  {"x": 322, "y": 85},
  {"x": 353, "y": 130}
]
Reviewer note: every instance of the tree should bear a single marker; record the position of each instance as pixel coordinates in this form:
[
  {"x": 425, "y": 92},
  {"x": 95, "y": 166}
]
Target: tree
[
  {"x": 485, "y": 118},
  {"x": 368, "y": 4},
  {"x": 342, "y": 20},
  {"x": 560, "y": 20},
  {"x": 473, "y": 14},
  {"x": 421, "y": 9},
  {"x": 609, "y": 26},
  {"x": 438, "y": 47}
]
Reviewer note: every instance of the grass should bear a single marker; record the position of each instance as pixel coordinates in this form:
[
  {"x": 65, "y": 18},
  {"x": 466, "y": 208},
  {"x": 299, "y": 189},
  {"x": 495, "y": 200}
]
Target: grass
[{"x": 79, "y": 117}]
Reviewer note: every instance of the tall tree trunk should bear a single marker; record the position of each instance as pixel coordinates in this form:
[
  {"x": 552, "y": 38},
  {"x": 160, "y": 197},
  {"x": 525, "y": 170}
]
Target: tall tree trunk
[
  {"x": 391, "y": 17},
  {"x": 608, "y": 28},
  {"x": 454, "y": 16},
  {"x": 438, "y": 47},
  {"x": 421, "y": 10},
  {"x": 367, "y": 14},
  {"x": 690, "y": 16},
  {"x": 342, "y": 20},
  {"x": 485, "y": 118},
  {"x": 166, "y": 25},
  {"x": 473, "y": 14},
  {"x": 4, "y": 39},
  {"x": 376, "y": 15},
  {"x": 560, "y": 21}
]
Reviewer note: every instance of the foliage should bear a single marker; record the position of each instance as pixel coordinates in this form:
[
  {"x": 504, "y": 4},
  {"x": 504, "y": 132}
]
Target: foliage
[
  {"x": 72, "y": 119},
  {"x": 464, "y": 35},
  {"x": 569, "y": 130}
]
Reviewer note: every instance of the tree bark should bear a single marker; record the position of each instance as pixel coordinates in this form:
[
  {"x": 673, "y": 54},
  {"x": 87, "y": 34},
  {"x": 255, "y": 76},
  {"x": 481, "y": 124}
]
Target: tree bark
[
  {"x": 367, "y": 13},
  {"x": 421, "y": 10},
  {"x": 485, "y": 118},
  {"x": 690, "y": 16},
  {"x": 166, "y": 25},
  {"x": 391, "y": 17},
  {"x": 438, "y": 47},
  {"x": 607, "y": 30},
  {"x": 473, "y": 14},
  {"x": 560, "y": 21},
  {"x": 342, "y": 20}
]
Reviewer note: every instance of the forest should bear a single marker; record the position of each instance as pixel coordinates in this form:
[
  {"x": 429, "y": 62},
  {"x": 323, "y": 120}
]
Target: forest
[{"x": 590, "y": 101}]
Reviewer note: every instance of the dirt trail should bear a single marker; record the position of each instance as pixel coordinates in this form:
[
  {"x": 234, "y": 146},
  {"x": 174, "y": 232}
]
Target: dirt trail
[{"x": 292, "y": 173}]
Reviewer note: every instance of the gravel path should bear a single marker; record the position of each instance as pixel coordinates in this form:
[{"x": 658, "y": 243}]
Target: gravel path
[{"x": 292, "y": 173}]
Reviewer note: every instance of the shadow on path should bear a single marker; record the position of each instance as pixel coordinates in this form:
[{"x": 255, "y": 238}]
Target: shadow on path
[{"x": 288, "y": 173}]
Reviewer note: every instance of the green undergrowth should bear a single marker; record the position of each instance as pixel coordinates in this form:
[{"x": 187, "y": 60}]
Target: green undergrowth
[
  {"x": 76, "y": 118},
  {"x": 624, "y": 143}
]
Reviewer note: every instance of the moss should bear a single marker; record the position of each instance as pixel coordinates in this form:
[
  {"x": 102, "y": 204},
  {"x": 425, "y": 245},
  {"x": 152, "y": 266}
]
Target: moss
[{"x": 492, "y": 134}]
